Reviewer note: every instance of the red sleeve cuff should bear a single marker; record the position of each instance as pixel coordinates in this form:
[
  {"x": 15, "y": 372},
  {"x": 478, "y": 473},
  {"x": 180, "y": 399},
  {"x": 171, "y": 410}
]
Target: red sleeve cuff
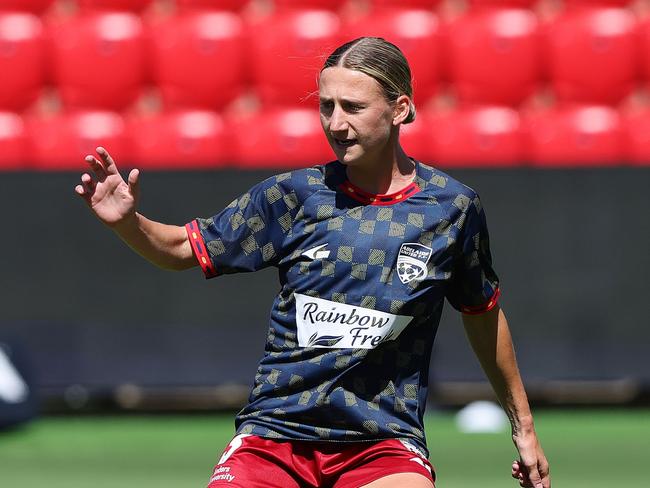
[
  {"x": 200, "y": 251},
  {"x": 486, "y": 307}
]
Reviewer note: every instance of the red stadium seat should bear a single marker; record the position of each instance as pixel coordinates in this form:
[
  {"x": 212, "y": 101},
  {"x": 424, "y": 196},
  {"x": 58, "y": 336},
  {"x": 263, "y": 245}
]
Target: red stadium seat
[
  {"x": 495, "y": 55},
  {"x": 644, "y": 35},
  {"x": 593, "y": 54},
  {"x": 281, "y": 139},
  {"x": 415, "y": 138},
  {"x": 303, "y": 4},
  {"x": 98, "y": 59},
  {"x": 198, "y": 58},
  {"x": 477, "y": 136},
  {"x": 418, "y": 4},
  {"x": 128, "y": 5},
  {"x": 417, "y": 34},
  {"x": 13, "y": 142},
  {"x": 584, "y": 135},
  {"x": 60, "y": 142},
  {"x": 233, "y": 5},
  {"x": 636, "y": 127},
  {"x": 36, "y": 6},
  {"x": 502, "y": 3},
  {"x": 186, "y": 139},
  {"x": 288, "y": 51},
  {"x": 591, "y": 3},
  {"x": 22, "y": 59}
]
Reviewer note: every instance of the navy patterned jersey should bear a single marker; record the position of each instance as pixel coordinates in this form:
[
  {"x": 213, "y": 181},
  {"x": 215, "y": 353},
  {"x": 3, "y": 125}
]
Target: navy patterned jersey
[{"x": 363, "y": 280}]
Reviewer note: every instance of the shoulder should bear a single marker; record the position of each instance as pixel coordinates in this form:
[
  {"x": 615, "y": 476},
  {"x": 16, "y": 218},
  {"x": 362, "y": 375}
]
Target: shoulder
[
  {"x": 290, "y": 189},
  {"x": 300, "y": 181},
  {"x": 445, "y": 189}
]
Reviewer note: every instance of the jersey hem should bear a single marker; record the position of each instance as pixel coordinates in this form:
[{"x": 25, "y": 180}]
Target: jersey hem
[
  {"x": 276, "y": 436},
  {"x": 199, "y": 249}
]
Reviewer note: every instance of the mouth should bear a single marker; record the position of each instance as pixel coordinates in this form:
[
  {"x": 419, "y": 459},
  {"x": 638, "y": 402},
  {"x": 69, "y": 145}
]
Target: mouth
[{"x": 344, "y": 143}]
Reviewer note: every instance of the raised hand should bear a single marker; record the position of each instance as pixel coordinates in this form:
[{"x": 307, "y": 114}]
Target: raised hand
[{"x": 111, "y": 199}]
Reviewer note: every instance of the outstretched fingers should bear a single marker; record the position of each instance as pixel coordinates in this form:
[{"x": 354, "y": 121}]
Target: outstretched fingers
[
  {"x": 107, "y": 160},
  {"x": 86, "y": 189},
  {"x": 96, "y": 167}
]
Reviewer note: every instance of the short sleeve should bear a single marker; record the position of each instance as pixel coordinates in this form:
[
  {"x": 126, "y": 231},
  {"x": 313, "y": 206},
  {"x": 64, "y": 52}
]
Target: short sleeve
[
  {"x": 474, "y": 286},
  {"x": 245, "y": 236}
]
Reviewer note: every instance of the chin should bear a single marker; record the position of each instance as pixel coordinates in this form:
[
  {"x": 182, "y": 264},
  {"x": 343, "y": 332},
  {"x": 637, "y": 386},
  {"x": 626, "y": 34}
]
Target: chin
[{"x": 350, "y": 159}]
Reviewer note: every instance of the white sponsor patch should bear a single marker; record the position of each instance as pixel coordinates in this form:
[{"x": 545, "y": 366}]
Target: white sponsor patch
[{"x": 323, "y": 323}]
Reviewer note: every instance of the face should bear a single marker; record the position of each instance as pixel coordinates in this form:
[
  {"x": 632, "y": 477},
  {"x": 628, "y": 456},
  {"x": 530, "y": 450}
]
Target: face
[{"x": 357, "y": 119}]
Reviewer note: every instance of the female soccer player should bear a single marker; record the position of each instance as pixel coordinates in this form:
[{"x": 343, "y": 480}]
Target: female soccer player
[{"x": 367, "y": 248}]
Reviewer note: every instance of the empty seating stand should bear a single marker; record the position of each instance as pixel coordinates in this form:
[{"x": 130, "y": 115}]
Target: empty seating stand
[{"x": 208, "y": 83}]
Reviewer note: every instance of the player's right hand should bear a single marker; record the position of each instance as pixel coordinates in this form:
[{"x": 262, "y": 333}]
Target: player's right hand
[{"x": 111, "y": 199}]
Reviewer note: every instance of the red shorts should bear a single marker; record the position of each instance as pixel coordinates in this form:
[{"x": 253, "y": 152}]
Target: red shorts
[{"x": 254, "y": 462}]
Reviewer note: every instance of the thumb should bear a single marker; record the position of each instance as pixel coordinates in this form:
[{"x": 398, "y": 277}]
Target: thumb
[{"x": 134, "y": 182}]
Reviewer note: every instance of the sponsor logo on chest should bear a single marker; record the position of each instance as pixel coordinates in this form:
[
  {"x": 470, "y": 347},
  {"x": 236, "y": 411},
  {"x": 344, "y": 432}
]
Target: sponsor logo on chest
[{"x": 323, "y": 323}]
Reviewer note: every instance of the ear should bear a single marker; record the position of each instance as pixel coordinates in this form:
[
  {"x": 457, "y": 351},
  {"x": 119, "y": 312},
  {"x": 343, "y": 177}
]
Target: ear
[{"x": 401, "y": 109}]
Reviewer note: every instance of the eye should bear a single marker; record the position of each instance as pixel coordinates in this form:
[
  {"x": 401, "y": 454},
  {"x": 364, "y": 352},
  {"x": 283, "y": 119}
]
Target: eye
[
  {"x": 353, "y": 107},
  {"x": 326, "y": 107}
]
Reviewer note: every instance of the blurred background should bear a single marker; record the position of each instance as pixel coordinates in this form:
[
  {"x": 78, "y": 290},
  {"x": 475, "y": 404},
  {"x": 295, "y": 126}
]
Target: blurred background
[{"x": 541, "y": 106}]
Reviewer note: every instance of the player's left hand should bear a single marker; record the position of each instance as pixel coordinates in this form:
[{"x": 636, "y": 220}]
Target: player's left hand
[{"x": 531, "y": 469}]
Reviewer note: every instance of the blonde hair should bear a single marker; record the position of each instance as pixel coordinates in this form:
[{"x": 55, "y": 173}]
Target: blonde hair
[{"x": 381, "y": 60}]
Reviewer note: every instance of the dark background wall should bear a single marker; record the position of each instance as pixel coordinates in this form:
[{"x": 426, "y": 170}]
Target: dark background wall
[{"x": 571, "y": 248}]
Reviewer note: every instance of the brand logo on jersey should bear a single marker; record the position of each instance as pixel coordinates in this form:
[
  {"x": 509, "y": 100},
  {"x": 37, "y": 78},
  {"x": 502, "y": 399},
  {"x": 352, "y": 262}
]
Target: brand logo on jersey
[
  {"x": 323, "y": 323},
  {"x": 317, "y": 252},
  {"x": 412, "y": 261}
]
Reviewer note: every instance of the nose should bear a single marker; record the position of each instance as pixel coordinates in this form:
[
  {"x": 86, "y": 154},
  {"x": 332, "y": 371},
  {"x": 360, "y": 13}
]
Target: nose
[{"x": 338, "y": 121}]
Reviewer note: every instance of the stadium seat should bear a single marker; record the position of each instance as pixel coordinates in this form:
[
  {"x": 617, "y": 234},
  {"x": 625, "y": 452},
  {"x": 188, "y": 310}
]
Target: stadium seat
[
  {"x": 35, "y": 6},
  {"x": 502, "y": 3},
  {"x": 13, "y": 142},
  {"x": 288, "y": 50},
  {"x": 233, "y": 5},
  {"x": 476, "y": 136},
  {"x": 415, "y": 138},
  {"x": 98, "y": 59},
  {"x": 636, "y": 128},
  {"x": 644, "y": 36},
  {"x": 495, "y": 55},
  {"x": 416, "y": 33},
  {"x": 575, "y": 135},
  {"x": 316, "y": 4},
  {"x": 280, "y": 139},
  {"x": 128, "y": 5},
  {"x": 591, "y": 3},
  {"x": 22, "y": 59},
  {"x": 183, "y": 139},
  {"x": 417, "y": 4},
  {"x": 593, "y": 54},
  {"x": 60, "y": 142},
  {"x": 198, "y": 58}
]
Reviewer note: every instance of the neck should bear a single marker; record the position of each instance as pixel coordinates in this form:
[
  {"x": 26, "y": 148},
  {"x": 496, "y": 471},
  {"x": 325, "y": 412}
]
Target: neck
[{"x": 385, "y": 175}]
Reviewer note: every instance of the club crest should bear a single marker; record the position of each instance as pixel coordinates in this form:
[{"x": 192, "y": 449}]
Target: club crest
[{"x": 412, "y": 262}]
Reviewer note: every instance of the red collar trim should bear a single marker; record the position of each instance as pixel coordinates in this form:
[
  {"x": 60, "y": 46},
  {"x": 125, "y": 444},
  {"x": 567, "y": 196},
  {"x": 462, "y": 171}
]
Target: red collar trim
[{"x": 377, "y": 199}]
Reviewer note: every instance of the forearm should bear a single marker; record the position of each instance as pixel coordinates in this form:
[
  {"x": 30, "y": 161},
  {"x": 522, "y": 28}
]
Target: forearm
[
  {"x": 166, "y": 246},
  {"x": 490, "y": 338}
]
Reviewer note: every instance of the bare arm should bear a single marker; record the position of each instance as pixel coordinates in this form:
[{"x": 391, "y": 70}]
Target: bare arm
[
  {"x": 489, "y": 335},
  {"x": 114, "y": 202}
]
